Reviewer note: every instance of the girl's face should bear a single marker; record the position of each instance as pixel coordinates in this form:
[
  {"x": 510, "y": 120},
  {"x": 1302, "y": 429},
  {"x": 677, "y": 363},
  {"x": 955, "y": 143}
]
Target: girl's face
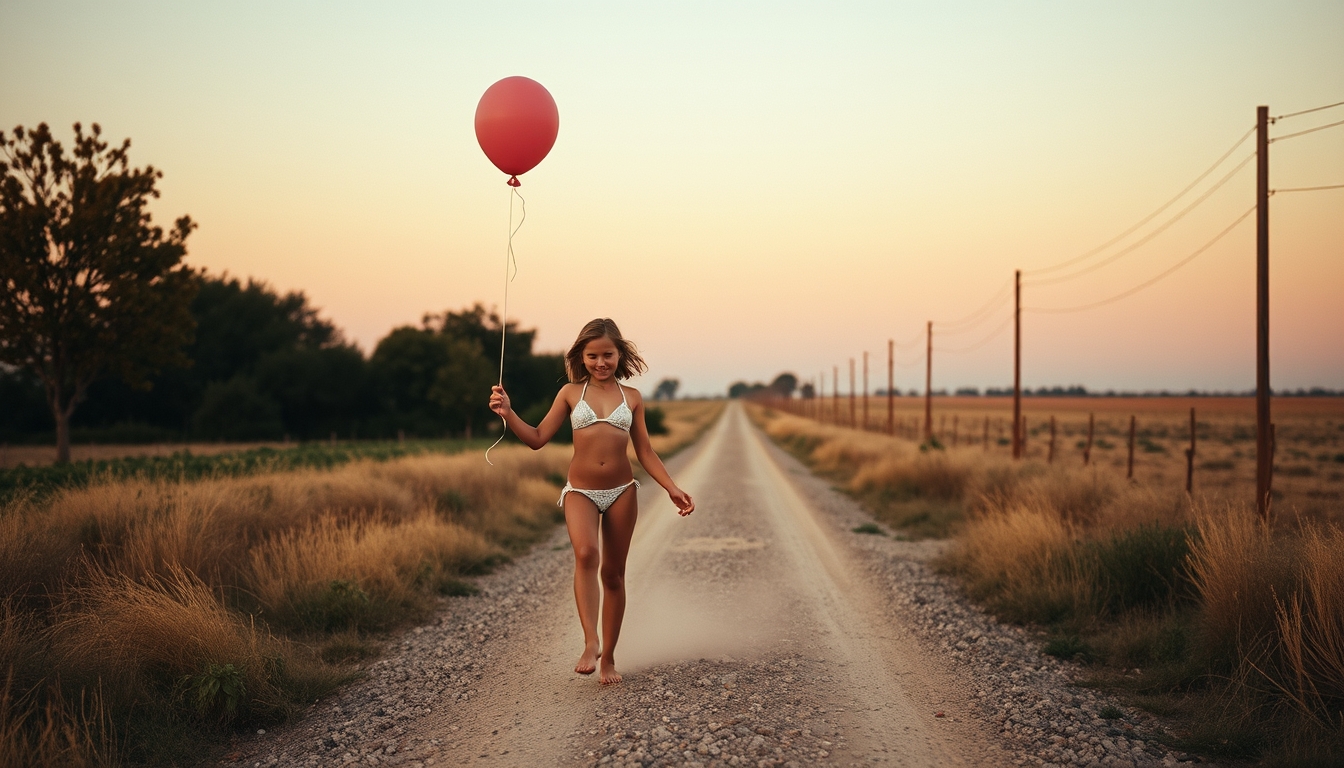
[{"x": 600, "y": 357}]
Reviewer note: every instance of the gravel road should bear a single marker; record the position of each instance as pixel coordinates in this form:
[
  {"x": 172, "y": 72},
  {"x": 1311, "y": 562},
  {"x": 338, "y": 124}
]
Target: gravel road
[{"x": 761, "y": 632}]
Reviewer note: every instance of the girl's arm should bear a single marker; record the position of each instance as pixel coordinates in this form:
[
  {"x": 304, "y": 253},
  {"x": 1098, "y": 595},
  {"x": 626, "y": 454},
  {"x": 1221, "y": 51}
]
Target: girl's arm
[
  {"x": 532, "y": 437},
  {"x": 648, "y": 458}
]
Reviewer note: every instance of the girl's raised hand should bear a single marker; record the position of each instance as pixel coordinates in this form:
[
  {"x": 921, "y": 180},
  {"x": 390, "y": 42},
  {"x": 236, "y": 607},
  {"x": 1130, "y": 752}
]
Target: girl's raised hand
[
  {"x": 499, "y": 400},
  {"x": 685, "y": 504}
]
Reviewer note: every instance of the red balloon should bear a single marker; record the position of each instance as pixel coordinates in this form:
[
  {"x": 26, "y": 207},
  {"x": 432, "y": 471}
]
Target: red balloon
[{"x": 516, "y": 125}]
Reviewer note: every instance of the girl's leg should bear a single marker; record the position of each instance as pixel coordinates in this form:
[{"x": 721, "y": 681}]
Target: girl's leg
[
  {"x": 618, "y": 525},
  {"x": 581, "y": 519}
]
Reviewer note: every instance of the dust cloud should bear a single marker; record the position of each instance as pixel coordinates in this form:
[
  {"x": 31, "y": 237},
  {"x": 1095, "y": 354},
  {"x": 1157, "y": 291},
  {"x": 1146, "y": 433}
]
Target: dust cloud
[{"x": 669, "y": 621}]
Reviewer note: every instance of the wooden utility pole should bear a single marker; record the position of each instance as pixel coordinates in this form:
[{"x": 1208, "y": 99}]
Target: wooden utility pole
[
  {"x": 1190, "y": 458},
  {"x": 1264, "y": 452},
  {"x": 1132, "y": 422},
  {"x": 852, "y": 420},
  {"x": 865, "y": 391},
  {"x": 835, "y": 393},
  {"x": 1017, "y": 364},
  {"x": 891, "y": 383},
  {"x": 1087, "y": 452},
  {"x": 928, "y": 384}
]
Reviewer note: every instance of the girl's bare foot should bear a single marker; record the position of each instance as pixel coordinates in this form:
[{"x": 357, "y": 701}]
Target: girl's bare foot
[
  {"x": 609, "y": 675},
  {"x": 587, "y": 663}
]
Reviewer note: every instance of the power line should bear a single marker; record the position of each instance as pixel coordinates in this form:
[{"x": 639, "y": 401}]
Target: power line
[
  {"x": 978, "y": 316},
  {"x": 1305, "y": 189},
  {"x": 1148, "y": 237},
  {"x": 1307, "y": 111},
  {"x": 1141, "y": 286},
  {"x": 1304, "y": 133},
  {"x": 915, "y": 340},
  {"x": 1149, "y": 217},
  {"x": 993, "y": 335}
]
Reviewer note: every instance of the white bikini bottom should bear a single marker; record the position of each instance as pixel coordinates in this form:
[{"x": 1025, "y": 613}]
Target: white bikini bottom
[{"x": 603, "y": 499}]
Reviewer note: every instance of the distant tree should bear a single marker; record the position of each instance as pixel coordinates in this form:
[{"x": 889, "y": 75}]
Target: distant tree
[
  {"x": 743, "y": 389},
  {"x": 437, "y": 377},
  {"x": 666, "y": 389},
  {"x": 784, "y": 384},
  {"x": 89, "y": 288},
  {"x": 807, "y": 391}
]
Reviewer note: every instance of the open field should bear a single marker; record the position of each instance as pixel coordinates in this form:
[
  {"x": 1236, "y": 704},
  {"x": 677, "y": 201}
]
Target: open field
[
  {"x": 143, "y": 616},
  {"x": 42, "y": 455},
  {"x": 1309, "y": 463},
  {"x": 1188, "y": 604}
]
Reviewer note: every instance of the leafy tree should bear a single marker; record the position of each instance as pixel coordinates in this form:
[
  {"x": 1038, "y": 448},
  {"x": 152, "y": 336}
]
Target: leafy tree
[
  {"x": 437, "y": 377},
  {"x": 238, "y": 410},
  {"x": 784, "y": 384},
  {"x": 666, "y": 389},
  {"x": 89, "y": 287},
  {"x": 462, "y": 384}
]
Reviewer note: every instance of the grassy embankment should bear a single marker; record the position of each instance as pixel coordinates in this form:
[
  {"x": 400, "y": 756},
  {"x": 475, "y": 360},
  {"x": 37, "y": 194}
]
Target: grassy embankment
[
  {"x": 146, "y": 614},
  {"x": 1191, "y": 607}
]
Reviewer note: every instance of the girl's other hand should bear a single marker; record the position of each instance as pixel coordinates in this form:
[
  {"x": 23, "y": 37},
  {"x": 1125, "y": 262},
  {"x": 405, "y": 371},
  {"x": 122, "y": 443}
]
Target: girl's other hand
[
  {"x": 499, "y": 400},
  {"x": 685, "y": 504}
]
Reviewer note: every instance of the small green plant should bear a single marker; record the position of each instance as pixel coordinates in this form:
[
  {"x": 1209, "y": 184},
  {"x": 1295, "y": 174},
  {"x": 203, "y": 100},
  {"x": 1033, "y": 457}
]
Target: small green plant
[
  {"x": 1070, "y": 647},
  {"x": 932, "y": 444},
  {"x": 656, "y": 420},
  {"x": 458, "y": 588},
  {"x": 1110, "y": 712},
  {"x": 452, "y": 502},
  {"x": 219, "y": 691},
  {"x": 341, "y": 605},
  {"x": 871, "y": 528}
]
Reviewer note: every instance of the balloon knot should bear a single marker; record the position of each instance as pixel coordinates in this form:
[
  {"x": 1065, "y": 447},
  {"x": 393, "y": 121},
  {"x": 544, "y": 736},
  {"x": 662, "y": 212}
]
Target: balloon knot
[{"x": 514, "y": 182}]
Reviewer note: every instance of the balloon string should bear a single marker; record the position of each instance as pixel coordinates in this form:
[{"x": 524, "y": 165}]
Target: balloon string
[{"x": 510, "y": 263}]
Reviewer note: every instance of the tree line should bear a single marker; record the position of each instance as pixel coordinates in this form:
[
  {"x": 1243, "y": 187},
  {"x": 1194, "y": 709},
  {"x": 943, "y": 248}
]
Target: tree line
[
  {"x": 262, "y": 365},
  {"x": 104, "y": 331}
]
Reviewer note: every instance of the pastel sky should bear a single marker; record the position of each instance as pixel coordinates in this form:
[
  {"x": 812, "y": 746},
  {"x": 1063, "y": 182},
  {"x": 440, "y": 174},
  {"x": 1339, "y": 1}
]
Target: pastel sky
[{"x": 745, "y": 187}]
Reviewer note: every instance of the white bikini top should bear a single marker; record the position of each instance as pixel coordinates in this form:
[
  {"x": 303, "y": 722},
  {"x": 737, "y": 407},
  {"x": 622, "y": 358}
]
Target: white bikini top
[{"x": 583, "y": 414}]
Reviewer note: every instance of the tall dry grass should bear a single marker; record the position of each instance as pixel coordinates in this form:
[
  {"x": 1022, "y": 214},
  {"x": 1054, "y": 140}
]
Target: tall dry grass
[
  {"x": 1210, "y": 602},
  {"x": 158, "y": 607}
]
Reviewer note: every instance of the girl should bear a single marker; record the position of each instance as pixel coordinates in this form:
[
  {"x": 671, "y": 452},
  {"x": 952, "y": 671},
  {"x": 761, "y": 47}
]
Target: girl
[{"x": 595, "y": 494}]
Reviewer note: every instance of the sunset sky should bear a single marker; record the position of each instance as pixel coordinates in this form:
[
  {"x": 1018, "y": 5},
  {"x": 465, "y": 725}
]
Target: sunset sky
[{"x": 745, "y": 188}]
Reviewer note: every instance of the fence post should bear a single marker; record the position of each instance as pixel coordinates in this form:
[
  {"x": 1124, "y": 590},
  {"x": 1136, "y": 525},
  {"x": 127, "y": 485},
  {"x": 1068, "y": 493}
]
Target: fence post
[
  {"x": 1190, "y": 458},
  {"x": 986, "y": 433},
  {"x": 1130, "y": 474},
  {"x": 1087, "y": 452},
  {"x": 1024, "y": 436},
  {"x": 954, "y": 430}
]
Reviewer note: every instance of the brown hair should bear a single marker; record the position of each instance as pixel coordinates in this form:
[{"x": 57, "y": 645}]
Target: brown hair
[{"x": 630, "y": 364}]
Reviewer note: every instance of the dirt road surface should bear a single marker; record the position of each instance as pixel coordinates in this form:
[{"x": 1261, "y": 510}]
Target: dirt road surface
[
  {"x": 761, "y": 631},
  {"x": 746, "y": 611}
]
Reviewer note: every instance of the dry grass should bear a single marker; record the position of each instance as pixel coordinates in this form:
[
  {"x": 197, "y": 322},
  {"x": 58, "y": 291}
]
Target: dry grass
[
  {"x": 165, "y": 597},
  {"x": 1245, "y": 620},
  {"x": 1309, "y": 479}
]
